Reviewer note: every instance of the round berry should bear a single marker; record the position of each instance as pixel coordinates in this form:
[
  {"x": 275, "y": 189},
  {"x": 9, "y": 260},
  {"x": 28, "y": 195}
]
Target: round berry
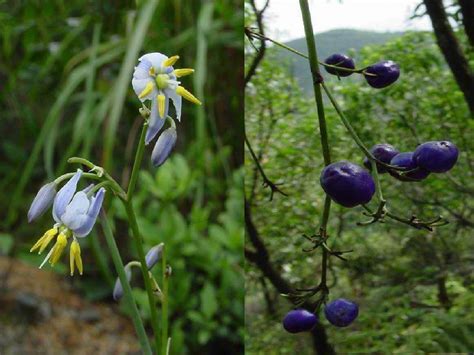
[
  {"x": 383, "y": 152},
  {"x": 299, "y": 320},
  {"x": 405, "y": 160},
  {"x": 348, "y": 184},
  {"x": 341, "y": 312},
  {"x": 436, "y": 157},
  {"x": 386, "y": 73},
  {"x": 340, "y": 60}
]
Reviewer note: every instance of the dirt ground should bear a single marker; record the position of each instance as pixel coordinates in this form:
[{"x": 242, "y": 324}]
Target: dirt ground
[{"x": 40, "y": 314}]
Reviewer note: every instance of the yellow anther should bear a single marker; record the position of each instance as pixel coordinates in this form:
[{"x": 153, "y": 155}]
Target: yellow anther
[
  {"x": 170, "y": 61},
  {"x": 161, "y": 105},
  {"x": 183, "y": 72},
  {"x": 187, "y": 95},
  {"x": 75, "y": 257},
  {"x": 147, "y": 90},
  {"x": 58, "y": 248},
  {"x": 152, "y": 71},
  {"x": 43, "y": 242}
]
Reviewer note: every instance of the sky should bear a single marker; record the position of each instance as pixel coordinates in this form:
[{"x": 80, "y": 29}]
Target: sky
[{"x": 283, "y": 17}]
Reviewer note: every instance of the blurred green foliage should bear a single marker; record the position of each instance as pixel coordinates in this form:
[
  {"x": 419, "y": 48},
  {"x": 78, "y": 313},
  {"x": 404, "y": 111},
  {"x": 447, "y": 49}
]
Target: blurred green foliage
[
  {"x": 65, "y": 89},
  {"x": 414, "y": 287}
]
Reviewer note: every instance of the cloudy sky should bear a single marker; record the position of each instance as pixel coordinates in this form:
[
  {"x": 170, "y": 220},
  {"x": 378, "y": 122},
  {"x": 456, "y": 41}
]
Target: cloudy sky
[{"x": 283, "y": 17}]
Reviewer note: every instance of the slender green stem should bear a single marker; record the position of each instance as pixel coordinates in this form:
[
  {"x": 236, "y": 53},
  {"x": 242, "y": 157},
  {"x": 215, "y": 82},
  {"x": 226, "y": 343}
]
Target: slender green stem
[
  {"x": 141, "y": 258},
  {"x": 324, "y": 269},
  {"x": 70, "y": 175},
  {"x": 317, "y": 80},
  {"x": 164, "y": 305},
  {"x": 347, "y": 124},
  {"x": 378, "y": 187},
  {"x": 137, "y": 236},
  {"x": 282, "y": 45},
  {"x": 326, "y": 210},
  {"x": 136, "y": 164},
  {"x": 100, "y": 172},
  {"x": 137, "y": 322},
  {"x": 99, "y": 186}
]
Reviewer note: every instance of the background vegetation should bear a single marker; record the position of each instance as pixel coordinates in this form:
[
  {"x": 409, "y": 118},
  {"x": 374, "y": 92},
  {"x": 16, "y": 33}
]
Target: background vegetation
[
  {"x": 414, "y": 287},
  {"x": 65, "y": 89}
]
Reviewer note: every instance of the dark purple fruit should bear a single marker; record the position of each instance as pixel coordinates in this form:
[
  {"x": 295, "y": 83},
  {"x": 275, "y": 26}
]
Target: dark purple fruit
[
  {"x": 405, "y": 160},
  {"x": 386, "y": 73},
  {"x": 383, "y": 152},
  {"x": 341, "y": 312},
  {"x": 341, "y": 60},
  {"x": 436, "y": 157},
  {"x": 347, "y": 184},
  {"x": 299, "y": 320}
]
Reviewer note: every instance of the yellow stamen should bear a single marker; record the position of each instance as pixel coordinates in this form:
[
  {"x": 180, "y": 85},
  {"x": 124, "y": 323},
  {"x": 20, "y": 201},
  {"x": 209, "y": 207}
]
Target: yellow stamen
[
  {"x": 152, "y": 71},
  {"x": 75, "y": 257},
  {"x": 58, "y": 248},
  {"x": 183, "y": 72},
  {"x": 147, "y": 90},
  {"x": 43, "y": 242},
  {"x": 161, "y": 105},
  {"x": 187, "y": 95},
  {"x": 170, "y": 61}
]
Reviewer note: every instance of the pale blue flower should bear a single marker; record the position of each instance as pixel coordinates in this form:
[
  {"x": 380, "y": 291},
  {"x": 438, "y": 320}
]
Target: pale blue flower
[
  {"x": 153, "y": 255},
  {"x": 75, "y": 214},
  {"x": 163, "y": 147},
  {"x": 155, "y": 79},
  {"x": 118, "y": 289},
  {"x": 42, "y": 201}
]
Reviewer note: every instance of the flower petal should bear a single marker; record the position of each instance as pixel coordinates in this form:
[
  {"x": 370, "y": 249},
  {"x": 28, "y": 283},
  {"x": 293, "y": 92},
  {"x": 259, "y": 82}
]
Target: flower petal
[
  {"x": 176, "y": 102},
  {"x": 42, "y": 201},
  {"x": 142, "y": 70},
  {"x": 91, "y": 216},
  {"x": 118, "y": 289},
  {"x": 154, "y": 255},
  {"x": 76, "y": 211},
  {"x": 163, "y": 147},
  {"x": 64, "y": 196},
  {"x": 139, "y": 86},
  {"x": 156, "y": 59},
  {"x": 156, "y": 122},
  {"x": 88, "y": 188}
]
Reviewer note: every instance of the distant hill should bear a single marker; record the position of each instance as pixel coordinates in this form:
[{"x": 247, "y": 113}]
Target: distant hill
[{"x": 335, "y": 41}]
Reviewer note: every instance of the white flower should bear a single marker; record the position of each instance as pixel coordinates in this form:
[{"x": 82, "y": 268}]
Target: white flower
[{"x": 154, "y": 79}]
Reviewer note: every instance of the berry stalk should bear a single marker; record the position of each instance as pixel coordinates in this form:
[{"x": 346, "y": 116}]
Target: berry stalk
[{"x": 317, "y": 81}]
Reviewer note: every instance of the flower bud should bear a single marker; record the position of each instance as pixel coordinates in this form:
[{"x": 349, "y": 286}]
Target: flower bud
[
  {"x": 163, "y": 147},
  {"x": 42, "y": 201},
  {"x": 153, "y": 255},
  {"x": 118, "y": 289}
]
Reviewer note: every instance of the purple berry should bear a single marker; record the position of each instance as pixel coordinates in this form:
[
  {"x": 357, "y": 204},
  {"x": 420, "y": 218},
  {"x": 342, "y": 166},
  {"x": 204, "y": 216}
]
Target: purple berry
[
  {"x": 436, "y": 157},
  {"x": 387, "y": 72},
  {"x": 299, "y": 320},
  {"x": 341, "y": 60},
  {"x": 341, "y": 312},
  {"x": 348, "y": 184},
  {"x": 383, "y": 152},
  {"x": 405, "y": 160}
]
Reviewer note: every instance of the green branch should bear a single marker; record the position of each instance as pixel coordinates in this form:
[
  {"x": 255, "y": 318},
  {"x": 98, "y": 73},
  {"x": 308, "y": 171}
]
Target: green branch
[{"x": 137, "y": 322}]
